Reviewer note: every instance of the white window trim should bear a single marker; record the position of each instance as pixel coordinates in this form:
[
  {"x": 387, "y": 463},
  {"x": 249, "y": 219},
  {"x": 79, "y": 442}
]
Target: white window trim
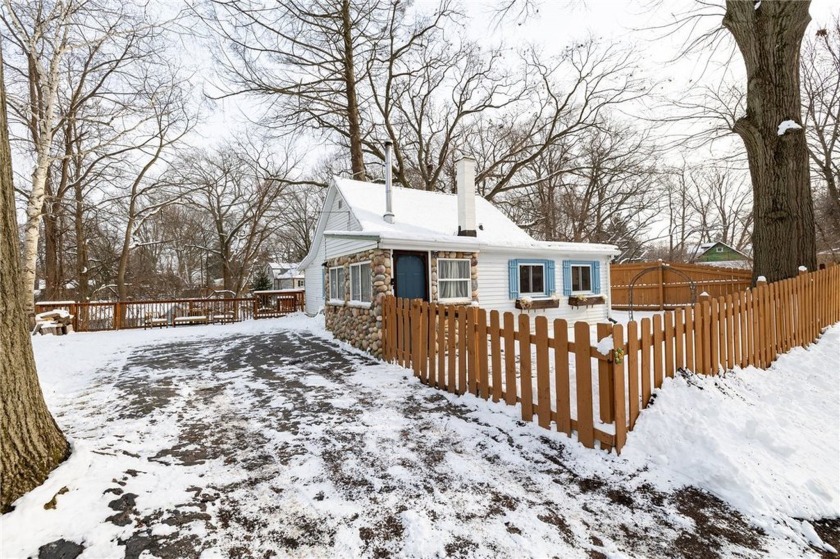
[
  {"x": 532, "y": 294},
  {"x": 468, "y": 280},
  {"x": 361, "y": 279},
  {"x": 572, "y": 279},
  {"x": 334, "y": 300}
]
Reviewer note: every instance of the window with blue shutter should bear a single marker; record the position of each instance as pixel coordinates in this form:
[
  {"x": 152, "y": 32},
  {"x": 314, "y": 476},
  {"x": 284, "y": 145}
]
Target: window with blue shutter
[
  {"x": 530, "y": 277},
  {"x": 581, "y": 276}
]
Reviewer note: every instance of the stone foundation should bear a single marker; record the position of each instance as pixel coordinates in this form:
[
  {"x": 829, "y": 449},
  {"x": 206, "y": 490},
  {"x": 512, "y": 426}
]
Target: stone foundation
[
  {"x": 360, "y": 325},
  {"x": 354, "y": 323}
]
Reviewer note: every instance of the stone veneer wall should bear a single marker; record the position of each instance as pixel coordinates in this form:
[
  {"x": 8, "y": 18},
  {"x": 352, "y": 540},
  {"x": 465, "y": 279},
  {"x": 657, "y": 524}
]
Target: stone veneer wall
[
  {"x": 473, "y": 258},
  {"x": 359, "y": 326}
]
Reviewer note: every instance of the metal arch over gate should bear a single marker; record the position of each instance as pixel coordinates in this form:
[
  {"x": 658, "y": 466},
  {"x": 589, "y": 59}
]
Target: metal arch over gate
[{"x": 691, "y": 284}]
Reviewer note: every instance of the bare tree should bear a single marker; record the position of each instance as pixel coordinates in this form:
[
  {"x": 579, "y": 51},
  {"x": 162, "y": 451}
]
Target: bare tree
[
  {"x": 310, "y": 59},
  {"x": 44, "y": 33},
  {"x": 821, "y": 98},
  {"x": 172, "y": 120},
  {"x": 239, "y": 189},
  {"x": 31, "y": 443}
]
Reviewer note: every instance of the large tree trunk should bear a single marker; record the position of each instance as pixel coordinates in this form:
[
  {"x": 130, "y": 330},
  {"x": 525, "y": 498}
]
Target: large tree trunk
[
  {"x": 769, "y": 38},
  {"x": 357, "y": 161},
  {"x": 31, "y": 444}
]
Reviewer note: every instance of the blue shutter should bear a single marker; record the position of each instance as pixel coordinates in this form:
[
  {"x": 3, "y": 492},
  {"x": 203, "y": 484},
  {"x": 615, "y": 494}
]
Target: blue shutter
[
  {"x": 549, "y": 282},
  {"x": 567, "y": 278},
  {"x": 596, "y": 277},
  {"x": 513, "y": 280}
]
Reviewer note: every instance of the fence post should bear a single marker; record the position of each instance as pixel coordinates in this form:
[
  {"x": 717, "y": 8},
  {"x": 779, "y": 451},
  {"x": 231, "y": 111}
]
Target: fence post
[
  {"x": 74, "y": 310},
  {"x": 705, "y": 354},
  {"x": 760, "y": 310},
  {"x": 606, "y": 387},
  {"x": 619, "y": 404},
  {"x": 661, "y": 275},
  {"x": 117, "y": 315}
]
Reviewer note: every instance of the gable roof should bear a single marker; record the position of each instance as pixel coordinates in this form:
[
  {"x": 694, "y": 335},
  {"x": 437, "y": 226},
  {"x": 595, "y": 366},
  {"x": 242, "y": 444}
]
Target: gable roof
[
  {"x": 285, "y": 270},
  {"x": 431, "y": 218},
  {"x": 706, "y": 247},
  {"x": 423, "y": 214}
]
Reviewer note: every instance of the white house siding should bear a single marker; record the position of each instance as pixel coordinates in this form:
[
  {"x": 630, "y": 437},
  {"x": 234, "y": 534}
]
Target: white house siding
[
  {"x": 313, "y": 276},
  {"x": 493, "y": 292},
  {"x": 336, "y": 246},
  {"x": 340, "y": 218}
]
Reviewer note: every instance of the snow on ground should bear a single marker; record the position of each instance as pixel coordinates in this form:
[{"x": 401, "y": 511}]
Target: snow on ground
[
  {"x": 267, "y": 436},
  {"x": 766, "y": 442}
]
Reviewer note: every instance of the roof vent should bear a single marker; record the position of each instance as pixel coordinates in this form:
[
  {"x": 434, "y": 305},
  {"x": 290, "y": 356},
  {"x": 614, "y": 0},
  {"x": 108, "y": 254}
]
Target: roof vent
[{"x": 389, "y": 211}]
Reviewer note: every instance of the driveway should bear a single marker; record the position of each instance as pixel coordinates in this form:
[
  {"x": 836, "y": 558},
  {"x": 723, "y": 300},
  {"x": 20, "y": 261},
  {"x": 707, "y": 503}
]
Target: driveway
[{"x": 282, "y": 444}]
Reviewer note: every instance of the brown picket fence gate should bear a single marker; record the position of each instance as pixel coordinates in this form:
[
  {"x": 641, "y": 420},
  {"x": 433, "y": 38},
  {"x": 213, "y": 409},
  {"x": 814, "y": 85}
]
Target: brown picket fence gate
[{"x": 597, "y": 391}]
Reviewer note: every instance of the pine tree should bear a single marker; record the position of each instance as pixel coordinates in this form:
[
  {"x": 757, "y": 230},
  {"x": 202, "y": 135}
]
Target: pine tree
[{"x": 261, "y": 281}]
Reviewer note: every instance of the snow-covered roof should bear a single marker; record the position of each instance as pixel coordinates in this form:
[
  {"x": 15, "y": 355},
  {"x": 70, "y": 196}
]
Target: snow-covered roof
[
  {"x": 285, "y": 270},
  {"x": 432, "y": 217},
  {"x": 419, "y": 213}
]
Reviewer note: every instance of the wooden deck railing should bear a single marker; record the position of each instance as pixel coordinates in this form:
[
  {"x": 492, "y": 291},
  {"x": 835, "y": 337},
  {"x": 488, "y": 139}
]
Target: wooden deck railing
[
  {"x": 120, "y": 315},
  {"x": 598, "y": 390}
]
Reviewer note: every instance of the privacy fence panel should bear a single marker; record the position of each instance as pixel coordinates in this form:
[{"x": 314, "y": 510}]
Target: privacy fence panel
[{"x": 660, "y": 285}]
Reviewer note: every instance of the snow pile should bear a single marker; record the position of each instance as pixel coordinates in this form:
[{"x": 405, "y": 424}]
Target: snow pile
[
  {"x": 606, "y": 345},
  {"x": 767, "y": 442},
  {"x": 788, "y": 125}
]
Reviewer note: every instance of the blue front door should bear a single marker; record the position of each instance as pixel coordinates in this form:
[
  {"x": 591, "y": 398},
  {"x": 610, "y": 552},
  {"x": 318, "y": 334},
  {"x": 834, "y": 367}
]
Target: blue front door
[{"x": 410, "y": 270}]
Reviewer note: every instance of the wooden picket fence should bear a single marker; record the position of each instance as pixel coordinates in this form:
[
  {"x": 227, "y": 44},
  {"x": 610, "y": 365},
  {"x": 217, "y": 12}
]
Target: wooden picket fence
[{"x": 598, "y": 391}]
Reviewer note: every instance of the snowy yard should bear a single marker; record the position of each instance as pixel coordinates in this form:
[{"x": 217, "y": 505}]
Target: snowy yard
[{"x": 266, "y": 438}]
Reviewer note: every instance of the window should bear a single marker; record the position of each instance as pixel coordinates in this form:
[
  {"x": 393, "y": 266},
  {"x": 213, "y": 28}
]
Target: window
[
  {"x": 454, "y": 279},
  {"x": 581, "y": 278},
  {"x": 337, "y": 283},
  {"x": 360, "y": 282},
  {"x": 531, "y": 279},
  {"x": 718, "y": 249}
]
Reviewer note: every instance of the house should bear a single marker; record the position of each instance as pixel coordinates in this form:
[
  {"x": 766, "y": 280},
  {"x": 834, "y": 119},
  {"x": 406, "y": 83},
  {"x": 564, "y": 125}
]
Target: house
[
  {"x": 721, "y": 255},
  {"x": 373, "y": 240},
  {"x": 285, "y": 275}
]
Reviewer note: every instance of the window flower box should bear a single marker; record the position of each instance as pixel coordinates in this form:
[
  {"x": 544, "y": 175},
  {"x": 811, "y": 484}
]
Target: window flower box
[
  {"x": 586, "y": 300},
  {"x": 528, "y": 304}
]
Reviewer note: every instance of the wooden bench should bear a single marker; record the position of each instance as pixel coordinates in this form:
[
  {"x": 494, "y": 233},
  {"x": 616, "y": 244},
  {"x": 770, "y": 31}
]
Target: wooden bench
[
  {"x": 151, "y": 321},
  {"x": 222, "y": 317},
  {"x": 191, "y": 319}
]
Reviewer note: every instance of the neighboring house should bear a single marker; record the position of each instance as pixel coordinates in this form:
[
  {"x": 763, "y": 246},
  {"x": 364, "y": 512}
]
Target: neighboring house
[
  {"x": 285, "y": 275},
  {"x": 444, "y": 248},
  {"x": 721, "y": 255}
]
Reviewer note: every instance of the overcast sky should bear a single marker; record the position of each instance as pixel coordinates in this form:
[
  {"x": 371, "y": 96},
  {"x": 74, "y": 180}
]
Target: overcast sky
[{"x": 557, "y": 24}]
